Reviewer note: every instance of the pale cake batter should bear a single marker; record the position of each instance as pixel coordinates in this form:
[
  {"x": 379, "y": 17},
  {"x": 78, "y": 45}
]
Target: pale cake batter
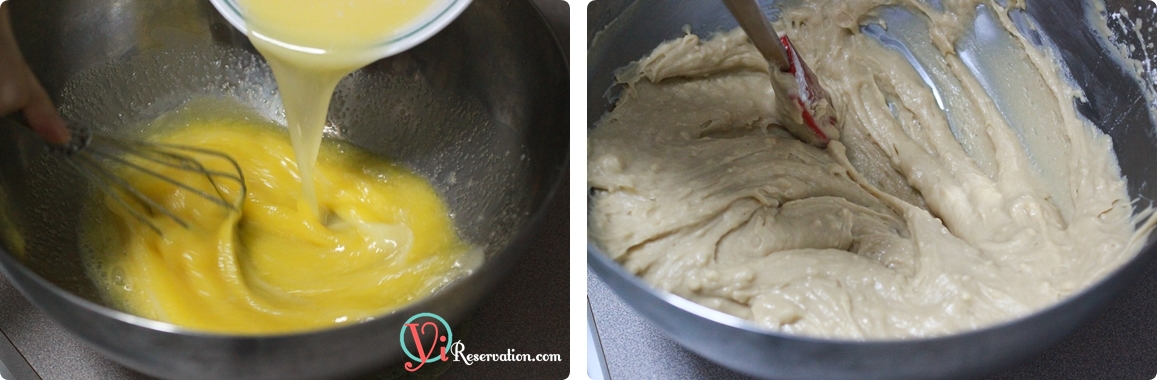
[
  {"x": 275, "y": 268},
  {"x": 905, "y": 227}
]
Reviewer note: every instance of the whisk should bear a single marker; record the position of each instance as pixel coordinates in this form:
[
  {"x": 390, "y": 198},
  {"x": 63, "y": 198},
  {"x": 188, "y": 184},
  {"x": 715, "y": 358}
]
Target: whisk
[{"x": 96, "y": 156}]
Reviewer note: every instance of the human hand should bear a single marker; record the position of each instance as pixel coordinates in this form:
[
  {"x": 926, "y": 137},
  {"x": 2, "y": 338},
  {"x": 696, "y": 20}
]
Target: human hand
[{"x": 21, "y": 91}]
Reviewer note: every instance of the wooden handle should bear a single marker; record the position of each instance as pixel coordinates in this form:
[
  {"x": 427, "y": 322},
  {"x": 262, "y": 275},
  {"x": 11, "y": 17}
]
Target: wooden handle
[{"x": 759, "y": 30}]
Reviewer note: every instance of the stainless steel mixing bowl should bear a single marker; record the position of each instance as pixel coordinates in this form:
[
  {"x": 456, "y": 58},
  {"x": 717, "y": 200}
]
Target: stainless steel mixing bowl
[
  {"x": 626, "y": 30},
  {"x": 480, "y": 110}
]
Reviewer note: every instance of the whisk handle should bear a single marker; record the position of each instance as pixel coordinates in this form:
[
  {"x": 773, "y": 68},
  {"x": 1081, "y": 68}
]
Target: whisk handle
[
  {"x": 81, "y": 134},
  {"x": 18, "y": 118}
]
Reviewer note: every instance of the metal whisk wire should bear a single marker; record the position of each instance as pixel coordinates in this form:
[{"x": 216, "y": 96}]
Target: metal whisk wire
[{"x": 90, "y": 153}]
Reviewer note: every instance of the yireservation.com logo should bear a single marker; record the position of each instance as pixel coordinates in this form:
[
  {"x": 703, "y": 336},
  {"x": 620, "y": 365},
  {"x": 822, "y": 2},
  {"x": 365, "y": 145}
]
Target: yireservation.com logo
[{"x": 430, "y": 327}]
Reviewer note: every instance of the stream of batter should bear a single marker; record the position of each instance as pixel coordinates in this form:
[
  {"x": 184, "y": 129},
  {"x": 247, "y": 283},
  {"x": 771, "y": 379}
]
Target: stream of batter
[{"x": 935, "y": 213}]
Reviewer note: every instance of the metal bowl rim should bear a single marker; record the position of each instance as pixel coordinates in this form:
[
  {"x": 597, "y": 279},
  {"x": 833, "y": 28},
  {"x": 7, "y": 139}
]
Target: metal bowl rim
[{"x": 718, "y": 317}]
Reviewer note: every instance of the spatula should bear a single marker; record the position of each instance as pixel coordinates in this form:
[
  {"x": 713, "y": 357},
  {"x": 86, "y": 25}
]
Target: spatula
[{"x": 816, "y": 124}]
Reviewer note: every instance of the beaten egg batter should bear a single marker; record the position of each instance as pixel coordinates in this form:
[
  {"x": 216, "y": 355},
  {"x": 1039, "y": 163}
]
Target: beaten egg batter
[
  {"x": 920, "y": 221},
  {"x": 273, "y": 268},
  {"x": 321, "y": 239}
]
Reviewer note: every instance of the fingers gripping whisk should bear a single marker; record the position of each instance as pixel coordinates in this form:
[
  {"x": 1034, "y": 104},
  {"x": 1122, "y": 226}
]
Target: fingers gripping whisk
[{"x": 108, "y": 162}]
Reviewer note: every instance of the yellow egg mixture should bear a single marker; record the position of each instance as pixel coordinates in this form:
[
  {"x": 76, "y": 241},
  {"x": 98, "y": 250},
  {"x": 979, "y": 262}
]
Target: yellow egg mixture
[
  {"x": 273, "y": 268},
  {"x": 311, "y": 45},
  {"x": 330, "y": 25},
  {"x": 356, "y": 238}
]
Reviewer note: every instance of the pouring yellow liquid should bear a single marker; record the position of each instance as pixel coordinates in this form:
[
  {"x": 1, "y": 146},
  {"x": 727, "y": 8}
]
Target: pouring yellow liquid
[
  {"x": 311, "y": 45},
  {"x": 375, "y": 238}
]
